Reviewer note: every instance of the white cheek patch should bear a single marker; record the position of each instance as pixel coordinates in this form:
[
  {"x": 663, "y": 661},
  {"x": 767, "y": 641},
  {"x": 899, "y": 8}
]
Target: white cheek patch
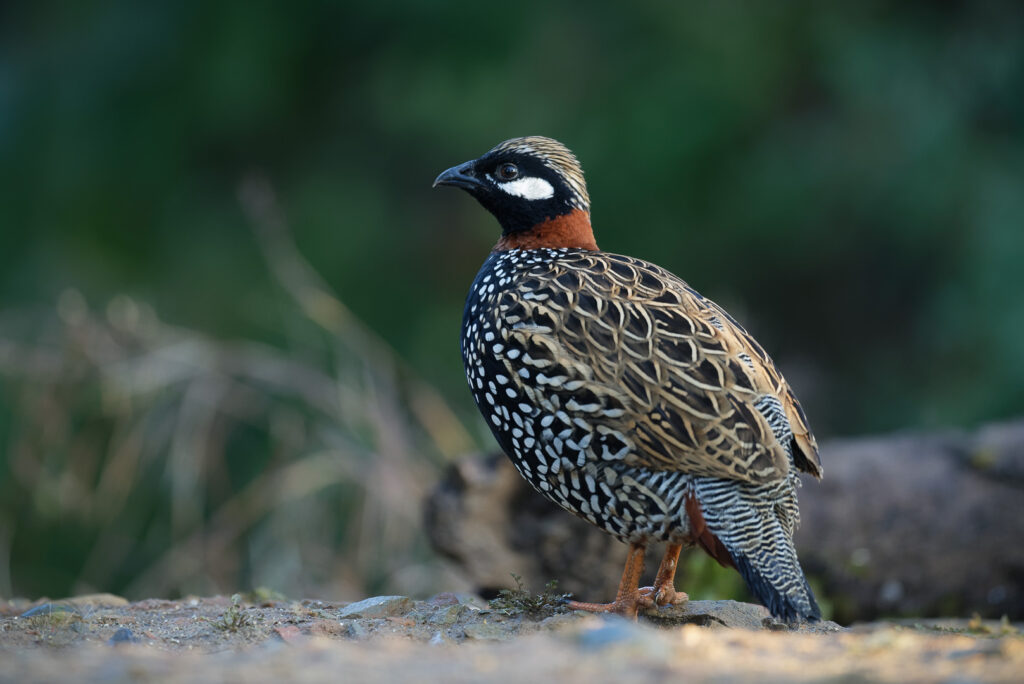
[{"x": 530, "y": 188}]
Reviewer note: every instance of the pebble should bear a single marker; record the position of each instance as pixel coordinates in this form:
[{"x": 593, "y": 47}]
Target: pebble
[
  {"x": 445, "y": 598},
  {"x": 97, "y": 601},
  {"x": 123, "y": 636},
  {"x": 610, "y": 631},
  {"x": 378, "y": 607},
  {"x": 357, "y": 630},
  {"x": 440, "y": 639},
  {"x": 448, "y": 616},
  {"x": 47, "y": 609},
  {"x": 330, "y": 628},
  {"x": 488, "y": 631}
]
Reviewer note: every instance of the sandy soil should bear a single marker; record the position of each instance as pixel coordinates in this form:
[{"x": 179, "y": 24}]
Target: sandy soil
[{"x": 460, "y": 639}]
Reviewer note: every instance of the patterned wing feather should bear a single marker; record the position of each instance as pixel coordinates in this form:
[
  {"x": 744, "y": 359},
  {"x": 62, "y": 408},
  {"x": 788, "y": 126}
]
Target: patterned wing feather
[{"x": 669, "y": 378}]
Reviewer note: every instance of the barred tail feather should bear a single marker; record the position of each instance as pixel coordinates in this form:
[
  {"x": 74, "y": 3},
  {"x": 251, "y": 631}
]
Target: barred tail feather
[
  {"x": 754, "y": 523},
  {"x": 794, "y": 605}
]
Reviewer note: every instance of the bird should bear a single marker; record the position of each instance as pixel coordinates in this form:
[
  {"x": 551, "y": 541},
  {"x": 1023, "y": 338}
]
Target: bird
[{"x": 626, "y": 397}]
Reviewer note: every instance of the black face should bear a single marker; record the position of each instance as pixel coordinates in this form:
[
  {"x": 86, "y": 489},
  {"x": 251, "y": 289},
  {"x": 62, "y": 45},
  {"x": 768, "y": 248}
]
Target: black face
[{"x": 518, "y": 188}]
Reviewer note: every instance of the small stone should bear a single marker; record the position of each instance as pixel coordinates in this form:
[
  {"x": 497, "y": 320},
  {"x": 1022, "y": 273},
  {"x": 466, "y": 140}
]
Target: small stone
[
  {"x": 489, "y": 631},
  {"x": 448, "y": 616},
  {"x": 155, "y": 604},
  {"x": 440, "y": 639},
  {"x": 357, "y": 630},
  {"x": 330, "y": 628},
  {"x": 378, "y": 607},
  {"x": 472, "y": 601},
  {"x": 47, "y": 609},
  {"x": 123, "y": 636},
  {"x": 97, "y": 601},
  {"x": 559, "y": 620},
  {"x": 290, "y": 634},
  {"x": 609, "y": 631},
  {"x": 445, "y": 598}
]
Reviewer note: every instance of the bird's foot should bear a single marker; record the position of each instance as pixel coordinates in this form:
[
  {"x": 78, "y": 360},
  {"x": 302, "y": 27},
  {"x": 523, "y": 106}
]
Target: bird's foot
[
  {"x": 664, "y": 595},
  {"x": 627, "y": 607}
]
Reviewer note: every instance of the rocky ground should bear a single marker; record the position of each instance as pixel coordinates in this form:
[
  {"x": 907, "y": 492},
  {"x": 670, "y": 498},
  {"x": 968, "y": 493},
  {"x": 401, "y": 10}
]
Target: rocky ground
[{"x": 461, "y": 639}]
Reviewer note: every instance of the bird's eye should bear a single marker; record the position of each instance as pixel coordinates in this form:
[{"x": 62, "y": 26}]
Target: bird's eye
[{"x": 507, "y": 172}]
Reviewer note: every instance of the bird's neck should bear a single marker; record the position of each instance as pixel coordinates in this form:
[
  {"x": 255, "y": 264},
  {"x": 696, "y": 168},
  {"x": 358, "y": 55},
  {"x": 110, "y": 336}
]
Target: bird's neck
[{"x": 568, "y": 230}]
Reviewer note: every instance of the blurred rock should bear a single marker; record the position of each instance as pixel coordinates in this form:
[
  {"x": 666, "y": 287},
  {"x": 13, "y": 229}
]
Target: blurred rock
[
  {"x": 123, "y": 636},
  {"x": 488, "y": 631},
  {"x": 919, "y": 524},
  {"x": 729, "y": 614},
  {"x": 327, "y": 628},
  {"x": 47, "y": 608},
  {"x": 97, "y": 601},
  {"x": 608, "y": 631},
  {"x": 377, "y": 607},
  {"x": 925, "y": 524}
]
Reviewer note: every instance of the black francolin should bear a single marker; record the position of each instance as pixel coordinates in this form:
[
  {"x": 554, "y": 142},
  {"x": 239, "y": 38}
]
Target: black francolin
[{"x": 626, "y": 397}]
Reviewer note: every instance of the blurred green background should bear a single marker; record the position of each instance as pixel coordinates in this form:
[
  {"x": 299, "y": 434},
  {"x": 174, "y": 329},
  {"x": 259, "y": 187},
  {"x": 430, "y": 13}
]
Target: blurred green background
[{"x": 231, "y": 300}]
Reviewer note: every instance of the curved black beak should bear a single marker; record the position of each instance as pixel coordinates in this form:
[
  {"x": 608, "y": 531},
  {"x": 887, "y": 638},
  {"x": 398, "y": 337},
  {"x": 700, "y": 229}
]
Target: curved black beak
[{"x": 461, "y": 176}]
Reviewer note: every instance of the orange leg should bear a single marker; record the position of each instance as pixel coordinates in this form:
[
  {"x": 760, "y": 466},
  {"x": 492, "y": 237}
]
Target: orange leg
[
  {"x": 664, "y": 592},
  {"x": 628, "y": 599}
]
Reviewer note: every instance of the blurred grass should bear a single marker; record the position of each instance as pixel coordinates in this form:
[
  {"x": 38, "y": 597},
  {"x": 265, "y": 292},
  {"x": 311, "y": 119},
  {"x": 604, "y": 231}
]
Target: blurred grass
[{"x": 173, "y": 463}]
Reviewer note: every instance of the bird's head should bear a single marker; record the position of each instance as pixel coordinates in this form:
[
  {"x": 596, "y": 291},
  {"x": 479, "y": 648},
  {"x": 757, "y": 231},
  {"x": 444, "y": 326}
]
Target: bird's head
[{"x": 534, "y": 186}]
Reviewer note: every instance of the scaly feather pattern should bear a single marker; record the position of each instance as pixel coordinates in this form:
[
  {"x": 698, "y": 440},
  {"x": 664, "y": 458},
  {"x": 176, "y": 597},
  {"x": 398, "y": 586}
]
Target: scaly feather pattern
[
  {"x": 673, "y": 380},
  {"x": 619, "y": 391}
]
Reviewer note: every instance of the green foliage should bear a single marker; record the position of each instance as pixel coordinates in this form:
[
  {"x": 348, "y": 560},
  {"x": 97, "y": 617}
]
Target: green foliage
[
  {"x": 843, "y": 177},
  {"x": 519, "y": 601},
  {"x": 703, "y": 578},
  {"x": 235, "y": 618}
]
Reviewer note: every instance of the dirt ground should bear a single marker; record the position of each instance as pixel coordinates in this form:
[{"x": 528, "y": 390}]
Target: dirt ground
[{"x": 461, "y": 639}]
